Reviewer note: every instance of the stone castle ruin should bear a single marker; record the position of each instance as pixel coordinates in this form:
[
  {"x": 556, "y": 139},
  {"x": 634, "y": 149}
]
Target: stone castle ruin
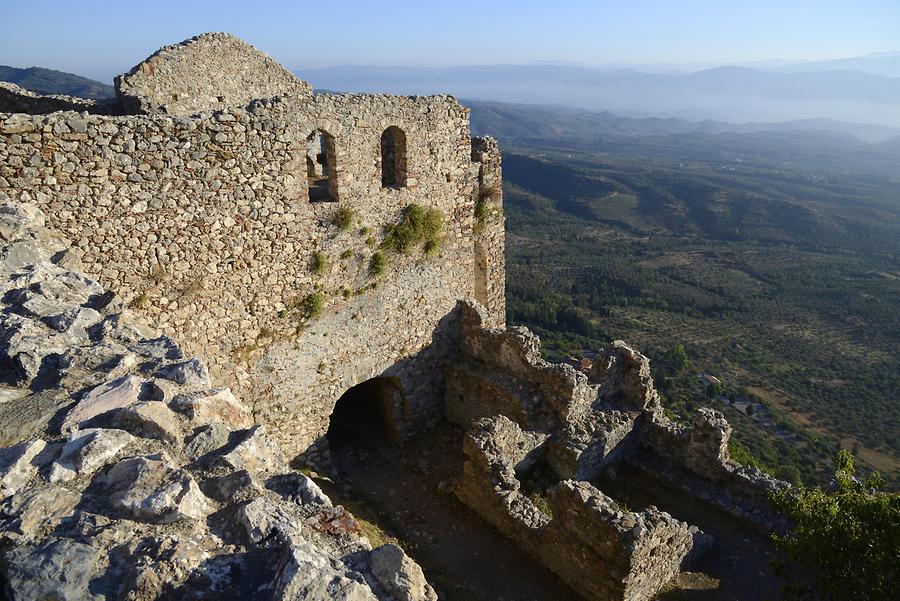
[{"x": 325, "y": 255}]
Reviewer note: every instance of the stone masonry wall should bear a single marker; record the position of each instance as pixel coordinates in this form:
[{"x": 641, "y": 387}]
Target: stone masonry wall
[
  {"x": 599, "y": 548},
  {"x": 211, "y": 71},
  {"x": 205, "y": 226},
  {"x": 490, "y": 232}
]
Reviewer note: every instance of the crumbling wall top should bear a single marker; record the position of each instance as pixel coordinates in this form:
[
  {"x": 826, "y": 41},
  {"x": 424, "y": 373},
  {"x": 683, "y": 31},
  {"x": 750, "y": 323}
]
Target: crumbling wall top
[{"x": 207, "y": 72}]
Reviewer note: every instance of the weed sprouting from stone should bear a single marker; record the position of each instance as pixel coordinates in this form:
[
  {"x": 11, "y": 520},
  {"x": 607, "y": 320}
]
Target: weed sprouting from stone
[
  {"x": 419, "y": 225},
  {"x": 343, "y": 219},
  {"x": 377, "y": 264},
  {"x": 319, "y": 263}
]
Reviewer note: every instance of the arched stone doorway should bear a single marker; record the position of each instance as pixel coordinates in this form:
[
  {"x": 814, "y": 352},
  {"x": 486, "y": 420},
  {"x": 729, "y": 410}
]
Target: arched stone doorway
[{"x": 368, "y": 414}]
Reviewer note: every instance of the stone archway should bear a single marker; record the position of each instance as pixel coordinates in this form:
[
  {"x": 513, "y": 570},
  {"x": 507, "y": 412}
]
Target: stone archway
[{"x": 368, "y": 414}]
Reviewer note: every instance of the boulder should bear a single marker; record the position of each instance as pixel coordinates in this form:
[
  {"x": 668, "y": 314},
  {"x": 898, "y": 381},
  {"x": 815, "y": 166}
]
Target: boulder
[
  {"x": 262, "y": 518},
  {"x": 163, "y": 348},
  {"x": 88, "y": 450},
  {"x": 17, "y": 219},
  {"x": 18, "y": 465},
  {"x": 114, "y": 394},
  {"x": 191, "y": 374},
  {"x": 38, "y": 508},
  {"x": 304, "y": 573},
  {"x": 216, "y": 405},
  {"x": 399, "y": 575},
  {"x": 150, "y": 419},
  {"x": 255, "y": 453},
  {"x": 207, "y": 439},
  {"x": 76, "y": 317},
  {"x": 60, "y": 568},
  {"x": 231, "y": 488},
  {"x": 146, "y": 488},
  {"x": 24, "y": 345}
]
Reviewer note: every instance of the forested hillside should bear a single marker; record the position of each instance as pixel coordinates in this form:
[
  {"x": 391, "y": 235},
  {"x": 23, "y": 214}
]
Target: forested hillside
[
  {"x": 751, "y": 257},
  {"x": 48, "y": 81}
]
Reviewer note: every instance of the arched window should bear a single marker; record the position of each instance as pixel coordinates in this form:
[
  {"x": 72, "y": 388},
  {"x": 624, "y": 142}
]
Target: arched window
[
  {"x": 393, "y": 158},
  {"x": 320, "y": 167}
]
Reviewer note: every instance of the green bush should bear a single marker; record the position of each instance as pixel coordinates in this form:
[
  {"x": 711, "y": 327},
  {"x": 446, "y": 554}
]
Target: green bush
[
  {"x": 377, "y": 264},
  {"x": 849, "y": 537},
  {"x": 319, "y": 262},
  {"x": 418, "y": 226},
  {"x": 312, "y": 305},
  {"x": 343, "y": 218},
  {"x": 347, "y": 254}
]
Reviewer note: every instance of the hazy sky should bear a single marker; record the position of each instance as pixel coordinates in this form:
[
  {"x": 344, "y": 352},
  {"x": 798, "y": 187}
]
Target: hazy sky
[{"x": 100, "y": 38}]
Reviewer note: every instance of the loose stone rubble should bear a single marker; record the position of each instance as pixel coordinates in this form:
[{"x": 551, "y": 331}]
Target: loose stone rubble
[{"x": 103, "y": 498}]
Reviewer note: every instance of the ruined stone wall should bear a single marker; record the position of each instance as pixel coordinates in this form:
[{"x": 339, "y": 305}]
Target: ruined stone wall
[
  {"x": 14, "y": 99},
  {"x": 695, "y": 457},
  {"x": 599, "y": 548},
  {"x": 211, "y": 71},
  {"x": 205, "y": 226},
  {"x": 490, "y": 232}
]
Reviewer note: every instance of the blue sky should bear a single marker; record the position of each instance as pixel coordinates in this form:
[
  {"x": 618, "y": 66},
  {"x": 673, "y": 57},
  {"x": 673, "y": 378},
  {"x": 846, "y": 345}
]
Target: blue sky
[{"x": 100, "y": 38}]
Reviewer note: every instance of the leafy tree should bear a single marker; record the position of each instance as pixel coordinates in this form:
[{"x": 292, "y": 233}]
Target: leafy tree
[{"x": 849, "y": 537}]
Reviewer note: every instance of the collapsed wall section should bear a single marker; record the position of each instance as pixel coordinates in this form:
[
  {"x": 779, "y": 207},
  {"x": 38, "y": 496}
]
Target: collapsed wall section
[
  {"x": 205, "y": 226},
  {"x": 14, "y": 99},
  {"x": 600, "y": 549}
]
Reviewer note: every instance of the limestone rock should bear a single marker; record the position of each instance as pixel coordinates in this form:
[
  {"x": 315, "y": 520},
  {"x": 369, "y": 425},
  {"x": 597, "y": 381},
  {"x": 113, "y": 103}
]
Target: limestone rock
[
  {"x": 111, "y": 395},
  {"x": 217, "y": 405},
  {"x": 231, "y": 488},
  {"x": 60, "y": 568},
  {"x": 255, "y": 453},
  {"x": 191, "y": 374},
  {"x": 37, "y": 509},
  {"x": 76, "y": 317},
  {"x": 299, "y": 488},
  {"x": 151, "y": 419},
  {"x": 262, "y": 518},
  {"x": 207, "y": 439},
  {"x": 400, "y": 576},
  {"x": 88, "y": 450},
  {"x": 304, "y": 574},
  {"x": 18, "y": 465},
  {"x": 148, "y": 489},
  {"x": 16, "y": 219}
]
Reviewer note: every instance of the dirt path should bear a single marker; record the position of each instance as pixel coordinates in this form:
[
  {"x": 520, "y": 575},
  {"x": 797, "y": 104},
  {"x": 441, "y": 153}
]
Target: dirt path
[{"x": 465, "y": 559}]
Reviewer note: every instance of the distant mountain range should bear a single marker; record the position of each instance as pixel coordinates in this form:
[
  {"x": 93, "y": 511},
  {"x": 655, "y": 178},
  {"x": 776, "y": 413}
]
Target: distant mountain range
[
  {"x": 48, "y": 81},
  {"x": 521, "y": 122},
  {"x": 879, "y": 63},
  {"x": 732, "y": 94},
  {"x": 549, "y": 120}
]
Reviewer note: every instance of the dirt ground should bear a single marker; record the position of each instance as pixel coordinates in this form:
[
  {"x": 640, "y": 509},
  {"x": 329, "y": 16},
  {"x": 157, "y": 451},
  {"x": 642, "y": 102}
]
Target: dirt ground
[
  {"x": 738, "y": 565},
  {"x": 400, "y": 489}
]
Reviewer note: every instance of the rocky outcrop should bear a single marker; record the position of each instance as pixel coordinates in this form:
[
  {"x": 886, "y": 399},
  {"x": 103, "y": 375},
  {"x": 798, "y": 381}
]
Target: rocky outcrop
[{"x": 136, "y": 479}]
